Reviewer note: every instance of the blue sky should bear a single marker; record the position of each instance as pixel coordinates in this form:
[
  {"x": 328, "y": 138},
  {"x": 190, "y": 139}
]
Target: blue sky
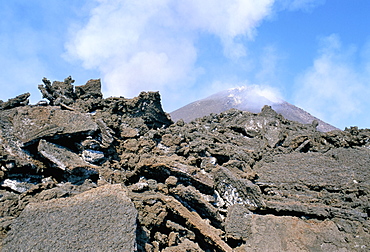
[{"x": 312, "y": 53}]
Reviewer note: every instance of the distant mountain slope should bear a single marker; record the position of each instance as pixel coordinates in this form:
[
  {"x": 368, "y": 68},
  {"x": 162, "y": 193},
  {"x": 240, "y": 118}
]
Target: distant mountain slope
[{"x": 247, "y": 99}]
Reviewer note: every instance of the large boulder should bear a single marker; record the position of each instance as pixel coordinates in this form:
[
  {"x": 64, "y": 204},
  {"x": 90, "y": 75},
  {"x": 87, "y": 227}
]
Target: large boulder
[
  {"x": 321, "y": 185},
  {"x": 102, "y": 219}
]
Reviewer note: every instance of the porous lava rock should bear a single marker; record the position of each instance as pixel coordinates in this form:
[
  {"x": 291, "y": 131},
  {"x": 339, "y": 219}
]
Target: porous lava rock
[
  {"x": 101, "y": 219},
  {"x": 133, "y": 180}
]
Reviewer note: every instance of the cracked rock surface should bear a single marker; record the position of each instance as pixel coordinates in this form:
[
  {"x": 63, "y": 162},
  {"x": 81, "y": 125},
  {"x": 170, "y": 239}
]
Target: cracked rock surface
[{"x": 80, "y": 172}]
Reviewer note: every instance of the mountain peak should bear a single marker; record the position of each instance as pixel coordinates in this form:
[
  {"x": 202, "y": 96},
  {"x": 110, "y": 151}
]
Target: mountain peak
[{"x": 247, "y": 98}]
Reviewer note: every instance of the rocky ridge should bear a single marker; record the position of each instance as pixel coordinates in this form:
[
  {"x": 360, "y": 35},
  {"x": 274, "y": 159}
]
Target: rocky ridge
[{"x": 117, "y": 174}]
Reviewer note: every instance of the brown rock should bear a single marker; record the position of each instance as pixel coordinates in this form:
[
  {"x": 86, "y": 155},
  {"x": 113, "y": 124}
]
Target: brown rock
[
  {"x": 128, "y": 132},
  {"x": 173, "y": 239},
  {"x": 236, "y": 181},
  {"x": 186, "y": 245},
  {"x": 197, "y": 201},
  {"x": 58, "y": 92},
  {"x": 194, "y": 221},
  {"x": 285, "y": 233},
  {"x": 171, "y": 181}
]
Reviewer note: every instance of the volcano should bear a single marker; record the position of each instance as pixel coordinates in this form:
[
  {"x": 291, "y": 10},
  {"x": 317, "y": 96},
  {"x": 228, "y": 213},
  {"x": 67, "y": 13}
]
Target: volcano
[
  {"x": 249, "y": 99},
  {"x": 118, "y": 174}
]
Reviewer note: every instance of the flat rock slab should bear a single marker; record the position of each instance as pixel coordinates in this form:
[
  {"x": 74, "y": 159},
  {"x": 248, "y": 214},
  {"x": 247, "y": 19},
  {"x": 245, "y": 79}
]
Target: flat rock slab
[
  {"x": 32, "y": 123},
  {"x": 60, "y": 156},
  {"x": 338, "y": 167},
  {"x": 101, "y": 219},
  {"x": 285, "y": 233}
]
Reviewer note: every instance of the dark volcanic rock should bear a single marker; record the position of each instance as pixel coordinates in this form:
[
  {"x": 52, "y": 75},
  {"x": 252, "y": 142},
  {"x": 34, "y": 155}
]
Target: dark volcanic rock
[
  {"x": 237, "y": 222},
  {"x": 235, "y": 181},
  {"x": 58, "y": 92},
  {"x": 24, "y": 126},
  {"x": 327, "y": 187},
  {"x": 237, "y": 191},
  {"x": 92, "y": 89},
  {"x": 20, "y": 100}
]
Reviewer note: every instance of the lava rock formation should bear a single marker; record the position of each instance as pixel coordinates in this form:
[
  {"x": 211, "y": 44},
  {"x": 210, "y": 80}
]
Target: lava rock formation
[{"x": 80, "y": 172}]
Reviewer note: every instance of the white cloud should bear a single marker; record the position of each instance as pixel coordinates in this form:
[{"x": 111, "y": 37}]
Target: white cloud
[
  {"x": 270, "y": 93},
  {"x": 335, "y": 88},
  {"x": 269, "y": 66},
  {"x": 251, "y": 93},
  {"x": 227, "y": 19},
  {"x": 150, "y": 44}
]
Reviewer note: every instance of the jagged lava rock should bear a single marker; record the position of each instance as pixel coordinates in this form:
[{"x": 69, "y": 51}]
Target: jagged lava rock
[
  {"x": 234, "y": 181},
  {"x": 20, "y": 100}
]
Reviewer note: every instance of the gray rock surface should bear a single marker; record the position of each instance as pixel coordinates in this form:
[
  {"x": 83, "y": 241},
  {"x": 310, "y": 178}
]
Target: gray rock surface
[
  {"x": 237, "y": 222},
  {"x": 62, "y": 158},
  {"x": 101, "y": 219},
  {"x": 33, "y": 123}
]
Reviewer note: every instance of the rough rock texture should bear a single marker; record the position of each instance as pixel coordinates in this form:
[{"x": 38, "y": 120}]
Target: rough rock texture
[
  {"x": 20, "y": 100},
  {"x": 285, "y": 233},
  {"x": 235, "y": 181},
  {"x": 33, "y": 123},
  {"x": 60, "y": 156},
  {"x": 101, "y": 219}
]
